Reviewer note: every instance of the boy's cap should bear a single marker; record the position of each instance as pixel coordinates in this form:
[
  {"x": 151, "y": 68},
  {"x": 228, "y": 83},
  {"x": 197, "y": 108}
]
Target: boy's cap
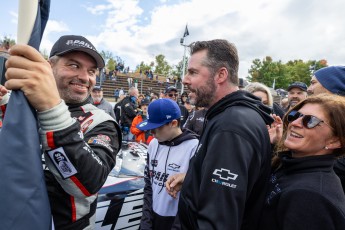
[
  {"x": 69, "y": 43},
  {"x": 159, "y": 113}
]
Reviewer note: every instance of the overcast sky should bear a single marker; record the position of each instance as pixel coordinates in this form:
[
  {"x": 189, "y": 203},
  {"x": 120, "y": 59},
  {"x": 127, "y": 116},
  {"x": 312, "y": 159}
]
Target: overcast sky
[{"x": 138, "y": 30}]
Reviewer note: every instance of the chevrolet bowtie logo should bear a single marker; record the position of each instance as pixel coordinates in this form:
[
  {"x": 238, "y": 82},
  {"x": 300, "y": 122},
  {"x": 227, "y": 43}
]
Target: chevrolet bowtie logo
[{"x": 225, "y": 174}]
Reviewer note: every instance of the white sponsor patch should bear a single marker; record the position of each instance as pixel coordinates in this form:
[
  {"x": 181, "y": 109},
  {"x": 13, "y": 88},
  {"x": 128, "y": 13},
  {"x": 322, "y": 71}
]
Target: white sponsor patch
[{"x": 62, "y": 163}]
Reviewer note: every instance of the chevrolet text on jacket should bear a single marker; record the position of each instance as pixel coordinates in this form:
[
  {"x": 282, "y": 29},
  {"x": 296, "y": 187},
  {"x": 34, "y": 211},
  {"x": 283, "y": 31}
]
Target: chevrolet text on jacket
[{"x": 227, "y": 178}]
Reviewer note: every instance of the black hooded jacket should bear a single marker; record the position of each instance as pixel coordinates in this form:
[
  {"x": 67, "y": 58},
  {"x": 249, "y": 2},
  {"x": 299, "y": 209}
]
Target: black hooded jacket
[{"x": 228, "y": 176}]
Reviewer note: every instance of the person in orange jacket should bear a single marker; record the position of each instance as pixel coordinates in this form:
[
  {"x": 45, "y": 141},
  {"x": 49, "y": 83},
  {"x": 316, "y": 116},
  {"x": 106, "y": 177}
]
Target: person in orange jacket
[{"x": 141, "y": 136}]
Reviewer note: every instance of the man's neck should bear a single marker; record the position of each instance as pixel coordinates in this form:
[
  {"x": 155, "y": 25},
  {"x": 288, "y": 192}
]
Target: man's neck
[{"x": 222, "y": 92}]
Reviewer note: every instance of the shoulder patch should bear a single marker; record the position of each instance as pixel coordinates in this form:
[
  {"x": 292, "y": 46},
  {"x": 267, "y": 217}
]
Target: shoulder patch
[
  {"x": 102, "y": 140},
  {"x": 62, "y": 163}
]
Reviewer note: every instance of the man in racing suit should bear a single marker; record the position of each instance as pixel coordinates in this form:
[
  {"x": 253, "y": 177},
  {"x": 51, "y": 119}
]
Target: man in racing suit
[{"x": 80, "y": 142}]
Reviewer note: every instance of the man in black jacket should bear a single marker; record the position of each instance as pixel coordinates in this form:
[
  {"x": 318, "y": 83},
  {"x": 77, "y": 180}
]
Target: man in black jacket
[
  {"x": 80, "y": 142},
  {"x": 225, "y": 185},
  {"x": 129, "y": 107}
]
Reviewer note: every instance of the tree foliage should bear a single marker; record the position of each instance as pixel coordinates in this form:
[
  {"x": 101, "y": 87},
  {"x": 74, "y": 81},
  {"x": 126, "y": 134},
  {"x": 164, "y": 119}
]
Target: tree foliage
[
  {"x": 162, "y": 66},
  {"x": 267, "y": 71},
  {"x": 143, "y": 67},
  {"x": 177, "y": 69},
  {"x": 6, "y": 39},
  {"x": 110, "y": 60}
]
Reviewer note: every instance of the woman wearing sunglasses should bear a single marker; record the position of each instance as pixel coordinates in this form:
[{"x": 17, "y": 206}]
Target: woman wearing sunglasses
[{"x": 304, "y": 192}]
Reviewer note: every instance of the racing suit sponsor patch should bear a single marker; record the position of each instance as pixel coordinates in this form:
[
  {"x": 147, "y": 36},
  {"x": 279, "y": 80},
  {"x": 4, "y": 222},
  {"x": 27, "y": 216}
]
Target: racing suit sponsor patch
[
  {"x": 62, "y": 163},
  {"x": 86, "y": 125},
  {"x": 101, "y": 140}
]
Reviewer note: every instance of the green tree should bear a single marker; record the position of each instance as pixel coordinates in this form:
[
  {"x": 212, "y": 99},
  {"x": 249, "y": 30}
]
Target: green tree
[
  {"x": 143, "y": 67},
  {"x": 177, "y": 69},
  {"x": 111, "y": 64},
  {"x": 111, "y": 60},
  {"x": 162, "y": 66},
  {"x": 268, "y": 71},
  {"x": 6, "y": 39}
]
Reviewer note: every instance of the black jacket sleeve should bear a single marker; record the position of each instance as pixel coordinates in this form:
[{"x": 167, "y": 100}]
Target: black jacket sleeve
[
  {"x": 146, "y": 218},
  {"x": 230, "y": 169}
]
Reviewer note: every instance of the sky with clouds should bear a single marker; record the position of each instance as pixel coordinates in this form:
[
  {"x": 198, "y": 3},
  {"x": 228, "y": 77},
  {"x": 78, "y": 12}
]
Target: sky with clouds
[{"x": 139, "y": 30}]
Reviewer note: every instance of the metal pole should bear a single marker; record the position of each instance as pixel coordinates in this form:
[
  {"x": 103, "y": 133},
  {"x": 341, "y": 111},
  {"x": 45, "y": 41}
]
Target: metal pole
[{"x": 183, "y": 68}]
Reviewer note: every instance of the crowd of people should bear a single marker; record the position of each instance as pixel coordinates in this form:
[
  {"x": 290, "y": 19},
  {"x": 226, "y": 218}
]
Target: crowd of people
[{"x": 222, "y": 156}]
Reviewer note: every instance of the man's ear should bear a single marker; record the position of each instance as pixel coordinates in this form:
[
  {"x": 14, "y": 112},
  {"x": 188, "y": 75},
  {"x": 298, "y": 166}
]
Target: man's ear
[{"x": 222, "y": 75}]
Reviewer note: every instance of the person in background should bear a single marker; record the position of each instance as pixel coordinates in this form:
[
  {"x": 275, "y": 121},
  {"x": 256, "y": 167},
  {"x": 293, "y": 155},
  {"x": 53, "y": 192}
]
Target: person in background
[
  {"x": 328, "y": 80},
  {"x": 284, "y": 103},
  {"x": 184, "y": 97},
  {"x": 140, "y": 97},
  {"x": 141, "y": 136},
  {"x": 116, "y": 94},
  {"x": 242, "y": 83},
  {"x": 122, "y": 92},
  {"x": 297, "y": 91},
  {"x": 129, "y": 107},
  {"x": 172, "y": 93},
  {"x": 305, "y": 192},
  {"x": 100, "y": 102},
  {"x": 263, "y": 92}
]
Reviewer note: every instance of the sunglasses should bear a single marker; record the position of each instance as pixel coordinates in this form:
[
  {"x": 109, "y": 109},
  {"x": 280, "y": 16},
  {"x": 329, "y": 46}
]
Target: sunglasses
[
  {"x": 308, "y": 121},
  {"x": 173, "y": 94}
]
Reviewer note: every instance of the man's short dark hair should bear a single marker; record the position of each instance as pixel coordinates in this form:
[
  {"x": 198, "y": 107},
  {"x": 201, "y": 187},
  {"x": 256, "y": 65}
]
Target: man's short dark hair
[{"x": 220, "y": 53}]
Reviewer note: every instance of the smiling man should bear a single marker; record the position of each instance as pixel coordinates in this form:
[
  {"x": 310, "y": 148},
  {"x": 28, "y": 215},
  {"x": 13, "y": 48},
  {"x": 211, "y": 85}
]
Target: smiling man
[
  {"x": 297, "y": 92},
  {"x": 80, "y": 141}
]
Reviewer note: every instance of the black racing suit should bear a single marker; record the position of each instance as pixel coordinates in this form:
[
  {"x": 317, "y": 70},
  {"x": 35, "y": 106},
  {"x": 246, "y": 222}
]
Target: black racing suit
[
  {"x": 80, "y": 143},
  {"x": 228, "y": 176}
]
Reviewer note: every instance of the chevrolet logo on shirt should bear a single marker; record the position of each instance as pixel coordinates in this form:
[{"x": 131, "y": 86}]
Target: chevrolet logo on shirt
[{"x": 225, "y": 174}]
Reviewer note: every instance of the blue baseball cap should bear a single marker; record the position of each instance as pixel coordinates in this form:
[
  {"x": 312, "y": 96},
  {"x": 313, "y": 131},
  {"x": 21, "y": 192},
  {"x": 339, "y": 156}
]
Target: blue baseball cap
[
  {"x": 332, "y": 78},
  {"x": 159, "y": 113}
]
